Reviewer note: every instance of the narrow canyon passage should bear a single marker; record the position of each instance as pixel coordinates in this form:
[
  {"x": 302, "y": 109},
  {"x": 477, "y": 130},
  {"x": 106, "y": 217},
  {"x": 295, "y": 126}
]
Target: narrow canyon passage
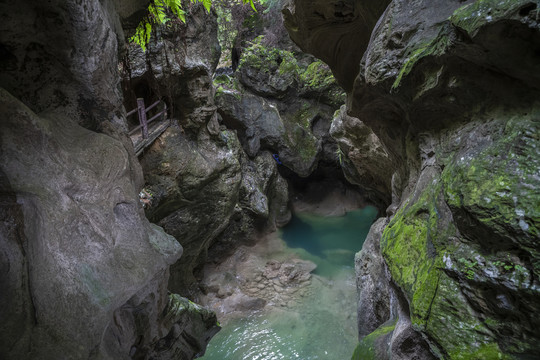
[
  {"x": 312, "y": 319},
  {"x": 177, "y": 174}
]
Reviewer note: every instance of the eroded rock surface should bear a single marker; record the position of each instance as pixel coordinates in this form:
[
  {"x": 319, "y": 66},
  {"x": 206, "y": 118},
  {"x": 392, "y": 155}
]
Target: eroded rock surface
[
  {"x": 336, "y": 31},
  {"x": 84, "y": 273},
  {"x": 205, "y": 190},
  {"x": 281, "y": 101},
  {"x": 442, "y": 91}
]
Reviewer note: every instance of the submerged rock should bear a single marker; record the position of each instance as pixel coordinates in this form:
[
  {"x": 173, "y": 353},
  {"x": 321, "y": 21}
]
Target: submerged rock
[{"x": 246, "y": 281}]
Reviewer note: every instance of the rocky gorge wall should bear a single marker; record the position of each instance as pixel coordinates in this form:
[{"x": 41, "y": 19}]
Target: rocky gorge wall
[
  {"x": 440, "y": 131},
  {"x": 446, "y": 96},
  {"x": 218, "y": 175},
  {"x": 84, "y": 273}
]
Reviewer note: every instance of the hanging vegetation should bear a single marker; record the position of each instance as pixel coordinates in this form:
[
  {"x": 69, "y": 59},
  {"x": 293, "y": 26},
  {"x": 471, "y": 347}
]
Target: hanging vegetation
[{"x": 158, "y": 13}]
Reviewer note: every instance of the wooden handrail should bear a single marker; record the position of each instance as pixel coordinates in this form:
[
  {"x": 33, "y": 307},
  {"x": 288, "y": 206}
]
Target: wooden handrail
[
  {"x": 152, "y": 106},
  {"x": 158, "y": 114},
  {"x": 141, "y": 110},
  {"x": 152, "y": 119}
]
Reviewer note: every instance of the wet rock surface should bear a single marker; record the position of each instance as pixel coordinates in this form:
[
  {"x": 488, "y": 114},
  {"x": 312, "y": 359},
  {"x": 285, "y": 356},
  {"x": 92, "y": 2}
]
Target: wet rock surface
[{"x": 441, "y": 88}]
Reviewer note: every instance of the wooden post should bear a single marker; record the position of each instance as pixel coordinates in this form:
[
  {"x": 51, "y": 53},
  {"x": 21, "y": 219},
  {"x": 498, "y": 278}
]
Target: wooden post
[{"x": 142, "y": 117}]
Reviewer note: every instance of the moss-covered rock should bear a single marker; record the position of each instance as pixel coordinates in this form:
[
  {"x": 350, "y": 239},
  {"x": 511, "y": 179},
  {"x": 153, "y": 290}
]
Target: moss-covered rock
[
  {"x": 374, "y": 346},
  {"x": 494, "y": 189},
  {"x": 268, "y": 71},
  {"x": 317, "y": 81},
  {"x": 418, "y": 246},
  {"x": 413, "y": 245},
  {"x": 471, "y": 17}
]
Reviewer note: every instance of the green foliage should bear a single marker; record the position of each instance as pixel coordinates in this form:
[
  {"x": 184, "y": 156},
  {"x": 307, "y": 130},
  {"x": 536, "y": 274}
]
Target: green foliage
[
  {"x": 339, "y": 154},
  {"x": 469, "y": 266},
  {"x": 158, "y": 14},
  {"x": 508, "y": 265}
]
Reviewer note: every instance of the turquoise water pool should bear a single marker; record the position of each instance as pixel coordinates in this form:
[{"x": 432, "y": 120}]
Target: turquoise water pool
[
  {"x": 323, "y": 324},
  {"x": 330, "y": 242}
]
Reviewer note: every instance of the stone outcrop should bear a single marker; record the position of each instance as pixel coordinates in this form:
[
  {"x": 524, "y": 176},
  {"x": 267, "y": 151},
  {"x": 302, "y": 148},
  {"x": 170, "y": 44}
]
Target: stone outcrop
[
  {"x": 176, "y": 68},
  {"x": 84, "y": 274},
  {"x": 278, "y": 106},
  {"x": 364, "y": 158},
  {"x": 336, "y": 31},
  {"x": 204, "y": 189},
  {"x": 447, "y": 90}
]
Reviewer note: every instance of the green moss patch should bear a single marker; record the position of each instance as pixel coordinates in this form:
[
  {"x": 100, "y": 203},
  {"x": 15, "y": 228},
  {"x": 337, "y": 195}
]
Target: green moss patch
[
  {"x": 499, "y": 186},
  {"x": 472, "y": 17},
  {"x": 434, "y": 47},
  {"x": 367, "y": 348},
  {"x": 269, "y": 60},
  {"x": 411, "y": 250}
]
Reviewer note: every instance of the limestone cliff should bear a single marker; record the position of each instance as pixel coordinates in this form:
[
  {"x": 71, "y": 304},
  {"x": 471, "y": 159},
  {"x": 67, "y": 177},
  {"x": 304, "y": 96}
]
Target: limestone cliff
[
  {"x": 206, "y": 191},
  {"x": 447, "y": 94},
  {"x": 84, "y": 273}
]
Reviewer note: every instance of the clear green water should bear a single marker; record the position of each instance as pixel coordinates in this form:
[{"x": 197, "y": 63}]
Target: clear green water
[
  {"x": 330, "y": 242},
  {"x": 323, "y": 325}
]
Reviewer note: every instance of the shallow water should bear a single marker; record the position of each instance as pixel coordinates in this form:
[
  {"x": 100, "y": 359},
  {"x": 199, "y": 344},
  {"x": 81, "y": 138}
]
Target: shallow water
[
  {"x": 323, "y": 325},
  {"x": 330, "y": 242}
]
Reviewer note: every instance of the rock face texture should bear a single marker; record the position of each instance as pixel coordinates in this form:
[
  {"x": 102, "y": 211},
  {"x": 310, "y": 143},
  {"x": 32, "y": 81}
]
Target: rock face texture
[
  {"x": 335, "y": 31},
  {"x": 84, "y": 274},
  {"x": 447, "y": 94},
  {"x": 282, "y": 102},
  {"x": 205, "y": 190}
]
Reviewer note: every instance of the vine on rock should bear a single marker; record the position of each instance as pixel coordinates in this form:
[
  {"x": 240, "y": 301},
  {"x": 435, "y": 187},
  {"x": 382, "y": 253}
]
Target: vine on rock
[{"x": 158, "y": 14}]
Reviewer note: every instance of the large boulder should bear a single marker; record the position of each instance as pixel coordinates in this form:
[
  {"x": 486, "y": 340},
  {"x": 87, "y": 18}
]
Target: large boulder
[
  {"x": 262, "y": 206},
  {"x": 363, "y": 157},
  {"x": 195, "y": 187}
]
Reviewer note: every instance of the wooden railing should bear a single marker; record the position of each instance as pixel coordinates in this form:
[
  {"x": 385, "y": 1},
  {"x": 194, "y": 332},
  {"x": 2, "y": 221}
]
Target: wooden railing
[{"x": 141, "y": 111}]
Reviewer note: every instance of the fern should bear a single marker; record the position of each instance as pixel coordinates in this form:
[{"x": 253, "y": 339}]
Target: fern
[{"x": 157, "y": 15}]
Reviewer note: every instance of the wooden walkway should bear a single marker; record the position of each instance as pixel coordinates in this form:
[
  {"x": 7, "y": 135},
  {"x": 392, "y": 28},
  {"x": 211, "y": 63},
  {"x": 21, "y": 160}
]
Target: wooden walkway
[
  {"x": 148, "y": 130},
  {"x": 154, "y": 131}
]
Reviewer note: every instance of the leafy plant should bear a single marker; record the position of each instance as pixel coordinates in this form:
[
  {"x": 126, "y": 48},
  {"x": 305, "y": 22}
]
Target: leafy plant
[
  {"x": 339, "y": 154},
  {"x": 469, "y": 266},
  {"x": 508, "y": 265},
  {"x": 158, "y": 11}
]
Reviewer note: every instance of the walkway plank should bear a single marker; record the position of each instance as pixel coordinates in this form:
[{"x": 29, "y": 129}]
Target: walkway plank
[{"x": 155, "y": 129}]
